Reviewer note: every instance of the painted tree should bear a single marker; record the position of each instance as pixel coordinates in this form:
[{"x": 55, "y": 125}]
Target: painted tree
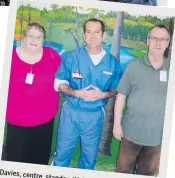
[
  {"x": 21, "y": 25},
  {"x": 76, "y": 17},
  {"x": 29, "y": 8},
  {"x": 107, "y": 134},
  {"x": 51, "y": 15},
  {"x": 74, "y": 32},
  {"x": 54, "y": 8},
  {"x": 171, "y": 29},
  {"x": 95, "y": 13},
  {"x": 111, "y": 14}
]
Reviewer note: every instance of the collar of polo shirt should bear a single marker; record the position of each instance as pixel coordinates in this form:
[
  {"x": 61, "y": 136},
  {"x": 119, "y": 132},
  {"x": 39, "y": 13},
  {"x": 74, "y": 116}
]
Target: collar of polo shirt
[{"x": 164, "y": 66}]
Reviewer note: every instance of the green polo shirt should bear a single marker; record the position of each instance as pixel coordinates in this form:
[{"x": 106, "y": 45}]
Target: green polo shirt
[{"x": 145, "y": 92}]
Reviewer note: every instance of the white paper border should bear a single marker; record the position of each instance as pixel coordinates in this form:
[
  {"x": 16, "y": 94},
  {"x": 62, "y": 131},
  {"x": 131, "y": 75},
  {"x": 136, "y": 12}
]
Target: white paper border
[{"x": 70, "y": 172}]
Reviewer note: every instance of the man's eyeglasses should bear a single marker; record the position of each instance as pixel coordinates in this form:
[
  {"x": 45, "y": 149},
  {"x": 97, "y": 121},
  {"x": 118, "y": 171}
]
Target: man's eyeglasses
[{"x": 156, "y": 39}]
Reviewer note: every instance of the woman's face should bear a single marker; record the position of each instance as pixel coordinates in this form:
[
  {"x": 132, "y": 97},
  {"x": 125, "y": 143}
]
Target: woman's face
[{"x": 33, "y": 40}]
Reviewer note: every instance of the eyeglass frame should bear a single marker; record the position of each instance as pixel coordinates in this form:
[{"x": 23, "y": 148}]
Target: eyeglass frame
[{"x": 155, "y": 39}]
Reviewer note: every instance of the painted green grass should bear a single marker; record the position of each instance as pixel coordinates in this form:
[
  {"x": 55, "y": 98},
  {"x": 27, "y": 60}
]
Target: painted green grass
[
  {"x": 138, "y": 52},
  {"x": 58, "y": 35},
  {"x": 104, "y": 163}
]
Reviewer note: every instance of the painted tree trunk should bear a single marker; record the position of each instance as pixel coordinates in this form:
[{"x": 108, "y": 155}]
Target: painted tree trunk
[
  {"x": 76, "y": 36},
  {"x": 171, "y": 29},
  {"x": 107, "y": 133},
  {"x": 21, "y": 25},
  {"x": 29, "y": 14},
  {"x": 50, "y": 29},
  {"x": 76, "y": 19},
  {"x": 76, "y": 39}
]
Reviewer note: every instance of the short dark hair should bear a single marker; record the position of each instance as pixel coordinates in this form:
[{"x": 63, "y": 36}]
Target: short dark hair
[
  {"x": 94, "y": 20},
  {"x": 160, "y": 26},
  {"x": 37, "y": 26}
]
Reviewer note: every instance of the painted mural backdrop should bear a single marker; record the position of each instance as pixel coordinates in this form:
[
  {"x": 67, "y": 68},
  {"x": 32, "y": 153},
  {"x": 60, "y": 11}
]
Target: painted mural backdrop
[{"x": 63, "y": 25}]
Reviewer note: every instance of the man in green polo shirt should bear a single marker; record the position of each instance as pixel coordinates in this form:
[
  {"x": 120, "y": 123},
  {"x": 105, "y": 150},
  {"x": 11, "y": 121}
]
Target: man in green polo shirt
[{"x": 143, "y": 87}]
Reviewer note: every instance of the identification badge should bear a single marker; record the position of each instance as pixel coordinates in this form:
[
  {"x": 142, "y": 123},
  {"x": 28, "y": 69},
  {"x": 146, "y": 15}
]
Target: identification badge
[
  {"x": 77, "y": 75},
  {"x": 29, "y": 78},
  {"x": 163, "y": 76}
]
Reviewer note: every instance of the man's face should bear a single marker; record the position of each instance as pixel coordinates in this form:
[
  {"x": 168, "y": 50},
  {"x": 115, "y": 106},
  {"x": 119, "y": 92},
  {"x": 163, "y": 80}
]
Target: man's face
[
  {"x": 93, "y": 34},
  {"x": 158, "y": 41}
]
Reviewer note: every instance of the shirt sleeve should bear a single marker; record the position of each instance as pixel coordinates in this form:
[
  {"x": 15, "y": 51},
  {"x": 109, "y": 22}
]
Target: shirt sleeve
[
  {"x": 58, "y": 82},
  {"x": 55, "y": 57},
  {"x": 124, "y": 86},
  {"x": 117, "y": 75},
  {"x": 63, "y": 71}
]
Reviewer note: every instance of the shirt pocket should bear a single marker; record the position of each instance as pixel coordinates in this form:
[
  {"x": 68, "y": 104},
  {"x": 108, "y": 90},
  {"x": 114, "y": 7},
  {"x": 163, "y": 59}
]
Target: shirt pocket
[{"x": 105, "y": 79}]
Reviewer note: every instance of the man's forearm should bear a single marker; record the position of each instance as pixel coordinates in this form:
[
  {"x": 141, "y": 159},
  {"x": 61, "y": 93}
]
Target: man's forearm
[
  {"x": 109, "y": 94},
  {"x": 66, "y": 89},
  {"x": 118, "y": 109}
]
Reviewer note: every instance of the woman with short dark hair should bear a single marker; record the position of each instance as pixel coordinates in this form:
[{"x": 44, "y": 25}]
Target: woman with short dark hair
[{"x": 32, "y": 101}]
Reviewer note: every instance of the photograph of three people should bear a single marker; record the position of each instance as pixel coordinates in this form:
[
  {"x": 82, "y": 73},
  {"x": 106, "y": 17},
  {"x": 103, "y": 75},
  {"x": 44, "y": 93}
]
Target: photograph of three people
[{"x": 88, "y": 86}]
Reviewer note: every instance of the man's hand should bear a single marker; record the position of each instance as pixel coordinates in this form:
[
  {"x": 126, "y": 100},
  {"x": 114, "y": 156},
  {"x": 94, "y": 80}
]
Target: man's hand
[
  {"x": 85, "y": 93},
  {"x": 118, "y": 114},
  {"x": 89, "y": 93},
  {"x": 118, "y": 131},
  {"x": 97, "y": 93}
]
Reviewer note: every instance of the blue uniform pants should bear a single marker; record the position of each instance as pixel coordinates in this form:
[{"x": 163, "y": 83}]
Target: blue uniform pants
[{"x": 76, "y": 124}]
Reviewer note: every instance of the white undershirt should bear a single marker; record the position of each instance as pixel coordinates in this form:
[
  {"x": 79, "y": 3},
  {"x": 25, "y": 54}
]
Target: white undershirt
[{"x": 97, "y": 57}]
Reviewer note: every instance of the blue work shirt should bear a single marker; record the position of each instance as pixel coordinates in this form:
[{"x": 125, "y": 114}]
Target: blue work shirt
[{"x": 105, "y": 76}]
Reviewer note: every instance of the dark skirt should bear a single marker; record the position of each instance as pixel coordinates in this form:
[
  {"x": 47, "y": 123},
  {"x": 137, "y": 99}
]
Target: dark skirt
[{"x": 29, "y": 144}]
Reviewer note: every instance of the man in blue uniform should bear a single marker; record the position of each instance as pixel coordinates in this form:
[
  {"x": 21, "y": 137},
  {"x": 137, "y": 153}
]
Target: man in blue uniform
[{"x": 88, "y": 76}]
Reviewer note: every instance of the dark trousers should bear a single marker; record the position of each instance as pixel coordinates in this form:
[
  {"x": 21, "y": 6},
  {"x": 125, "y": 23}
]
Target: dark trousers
[
  {"x": 147, "y": 158},
  {"x": 29, "y": 144}
]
